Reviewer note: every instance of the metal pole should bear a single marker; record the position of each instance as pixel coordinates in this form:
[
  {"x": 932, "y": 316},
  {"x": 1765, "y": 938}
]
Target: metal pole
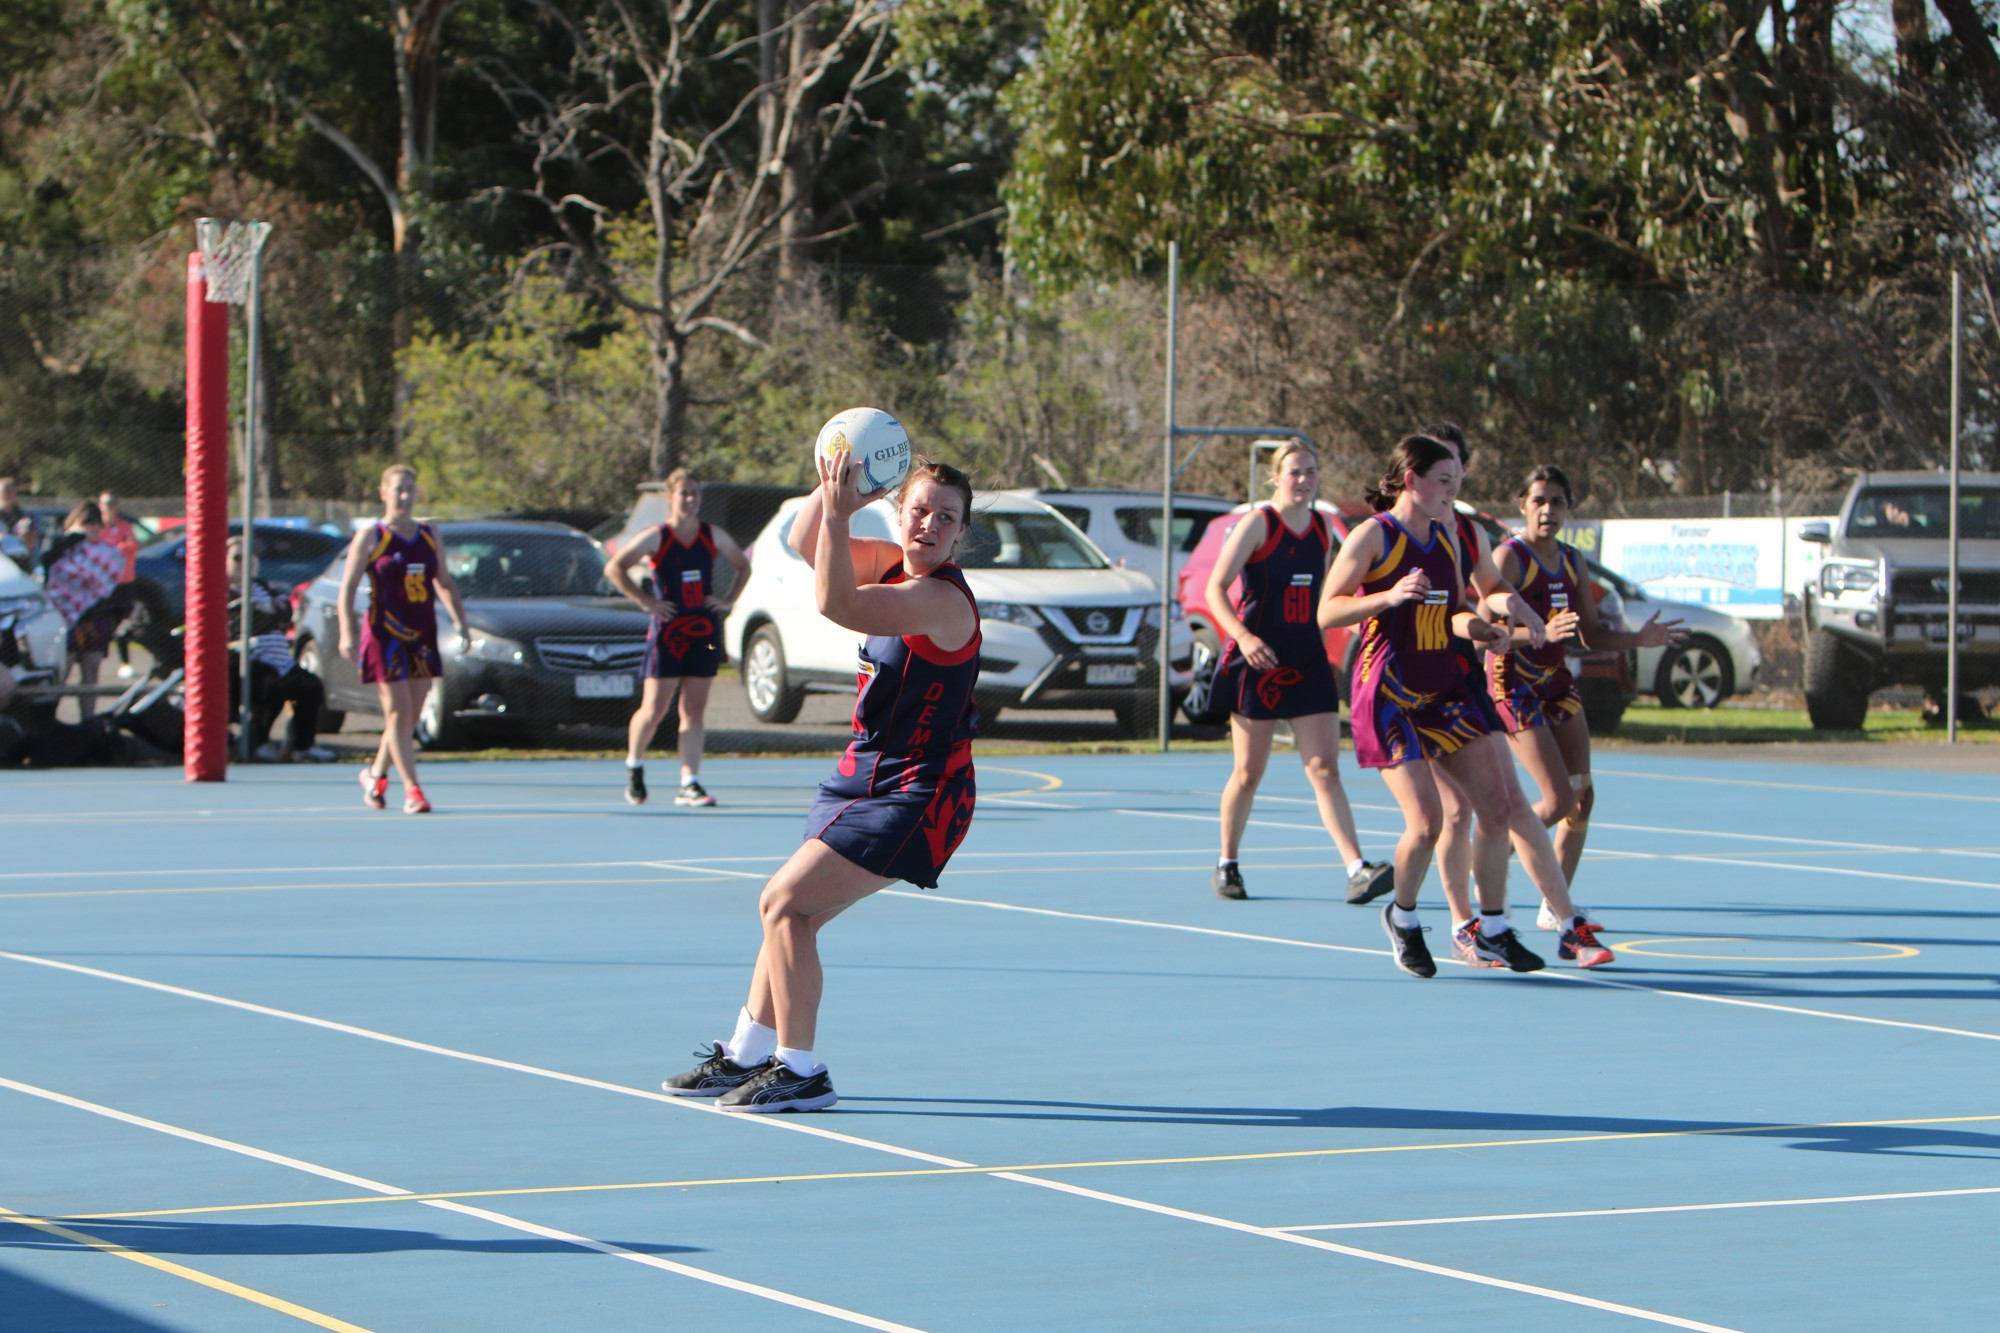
[
  {"x": 1166, "y": 701},
  {"x": 252, "y": 323},
  {"x": 1951, "y": 609}
]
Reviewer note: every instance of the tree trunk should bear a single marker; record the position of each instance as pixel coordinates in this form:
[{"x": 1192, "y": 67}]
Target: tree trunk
[
  {"x": 1969, "y": 30},
  {"x": 800, "y": 166},
  {"x": 669, "y": 399}
]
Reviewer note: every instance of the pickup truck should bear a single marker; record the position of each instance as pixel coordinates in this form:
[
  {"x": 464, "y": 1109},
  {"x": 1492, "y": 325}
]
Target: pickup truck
[{"x": 1876, "y": 610}]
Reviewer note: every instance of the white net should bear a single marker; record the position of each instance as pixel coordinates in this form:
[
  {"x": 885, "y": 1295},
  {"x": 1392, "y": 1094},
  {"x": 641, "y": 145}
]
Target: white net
[{"x": 229, "y": 249}]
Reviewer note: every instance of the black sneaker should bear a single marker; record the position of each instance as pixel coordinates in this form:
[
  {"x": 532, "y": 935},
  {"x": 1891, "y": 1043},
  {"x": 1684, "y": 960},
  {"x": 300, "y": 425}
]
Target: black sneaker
[
  {"x": 1506, "y": 950},
  {"x": 1227, "y": 881},
  {"x": 776, "y": 1088},
  {"x": 715, "y": 1075},
  {"x": 635, "y": 786},
  {"x": 1374, "y": 879},
  {"x": 1407, "y": 947},
  {"x": 692, "y": 794}
]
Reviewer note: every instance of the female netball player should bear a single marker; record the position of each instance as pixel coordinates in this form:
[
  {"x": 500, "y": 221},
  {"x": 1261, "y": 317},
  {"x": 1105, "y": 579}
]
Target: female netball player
[
  {"x": 900, "y": 800},
  {"x": 1488, "y": 939},
  {"x": 1537, "y": 699},
  {"x": 1274, "y": 665},
  {"x": 1399, "y": 575},
  {"x": 684, "y": 638},
  {"x": 397, "y": 647}
]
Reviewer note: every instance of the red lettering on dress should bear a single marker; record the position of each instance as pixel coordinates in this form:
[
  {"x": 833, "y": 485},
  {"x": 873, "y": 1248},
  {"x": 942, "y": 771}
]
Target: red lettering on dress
[{"x": 934, "y": 691}]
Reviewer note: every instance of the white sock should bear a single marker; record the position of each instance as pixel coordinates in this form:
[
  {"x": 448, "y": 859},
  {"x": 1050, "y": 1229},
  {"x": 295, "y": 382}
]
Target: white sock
[
  {"x": 752, "y": 1043},
  {"x": 635, "y": 763},
  {"x": 1405, "y": 918},
  {"x": 1492, "y": 923},
  {"x": 1354, "y": 867},
  {"x": 796, "y": 1060},
  {"x": 1225, "y": 863}
]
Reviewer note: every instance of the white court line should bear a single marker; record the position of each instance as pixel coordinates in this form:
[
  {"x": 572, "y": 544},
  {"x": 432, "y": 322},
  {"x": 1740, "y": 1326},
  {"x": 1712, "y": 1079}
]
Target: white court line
[
  {"x": 1634, "y": 1212},
  {"x": 1799, "y": 786},
  {"x": 771, "y": 1122},
  {"x": 451, "y": 1206}
]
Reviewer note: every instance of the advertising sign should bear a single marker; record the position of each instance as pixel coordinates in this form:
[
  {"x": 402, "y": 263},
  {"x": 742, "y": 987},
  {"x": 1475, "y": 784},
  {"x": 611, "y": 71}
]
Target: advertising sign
[{"x": 1745, "y": 566}]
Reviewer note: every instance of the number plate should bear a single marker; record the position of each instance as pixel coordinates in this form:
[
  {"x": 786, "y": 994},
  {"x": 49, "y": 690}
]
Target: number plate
[
  {"x": 605, "y": 687},
  {"x": 1111, "y": 673}
]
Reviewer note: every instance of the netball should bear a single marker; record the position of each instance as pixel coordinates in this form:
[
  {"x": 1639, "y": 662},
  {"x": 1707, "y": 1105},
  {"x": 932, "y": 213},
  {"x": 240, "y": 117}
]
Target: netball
[{"x": 874, "y": 437}]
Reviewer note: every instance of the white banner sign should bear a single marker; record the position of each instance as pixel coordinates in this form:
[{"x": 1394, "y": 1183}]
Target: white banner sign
[{"x": 1745, "y": 566}]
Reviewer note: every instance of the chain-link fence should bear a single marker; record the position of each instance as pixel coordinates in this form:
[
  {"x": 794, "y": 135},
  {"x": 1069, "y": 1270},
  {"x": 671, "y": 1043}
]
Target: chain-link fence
[{"x": 531, "y": 394}]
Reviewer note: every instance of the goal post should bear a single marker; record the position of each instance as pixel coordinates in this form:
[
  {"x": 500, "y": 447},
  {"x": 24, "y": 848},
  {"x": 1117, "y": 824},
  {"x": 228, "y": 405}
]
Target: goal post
[{"x": 224, "y": 271}]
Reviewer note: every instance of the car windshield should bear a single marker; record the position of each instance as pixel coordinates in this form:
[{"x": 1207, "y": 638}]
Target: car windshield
[
  {"x": 1008, "y": 539},
  {"x": 530, "y": 565},
  {"x": 1142, "y": 525},
  {"x": 1925, "y": 511}
]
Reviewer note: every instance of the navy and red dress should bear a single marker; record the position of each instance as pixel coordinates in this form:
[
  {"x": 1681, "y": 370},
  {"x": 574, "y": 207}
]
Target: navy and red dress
[
  {"x": 1532, "y": 686},
  {"x": 900, "y": 800},
  {"x": 1280, "y": 605},
  {"x": 684, "y": 573},
  {"x": 399, "y": 636},
  {"x": 1412, "y": 697}
]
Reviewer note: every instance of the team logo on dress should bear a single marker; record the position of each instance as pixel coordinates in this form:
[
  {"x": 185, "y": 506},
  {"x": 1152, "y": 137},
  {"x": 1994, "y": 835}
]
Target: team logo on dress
[
  {"x": 1097, "y": 622},
  {"x": 1272, "y": 684},
  {"x": 685, "y": 632}
]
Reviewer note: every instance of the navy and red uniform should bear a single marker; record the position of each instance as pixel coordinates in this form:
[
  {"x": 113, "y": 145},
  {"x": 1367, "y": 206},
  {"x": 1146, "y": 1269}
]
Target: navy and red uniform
[
  {"x": 1280, "y": 605},
  {"x": 399, "y": 637},
  {"x": 1412, "y": 698},
  {"x": 684, "y": 573},
  {"x": 900, "y": 801},
  {"x": 1533, "y": 686}
]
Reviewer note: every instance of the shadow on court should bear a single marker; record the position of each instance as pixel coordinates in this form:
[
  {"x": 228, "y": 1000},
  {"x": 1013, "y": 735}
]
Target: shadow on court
[
  {"x": 173, "y": 1236},
  {"x": 1823, "y": 985},
  {"x": 36, "y": 1305},
  {"x": 1907, "y": 1140}
]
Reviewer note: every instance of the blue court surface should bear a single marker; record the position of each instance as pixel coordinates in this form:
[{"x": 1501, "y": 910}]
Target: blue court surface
[{"x": 273, "y": 1059}]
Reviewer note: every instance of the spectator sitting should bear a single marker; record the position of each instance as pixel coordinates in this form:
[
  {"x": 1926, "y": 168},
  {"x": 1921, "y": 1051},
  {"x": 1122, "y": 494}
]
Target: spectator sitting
[
  {"x": 276, "y": 678},
  {"x": 17, "y": 530},
  {"x": 79, "y": 574}
]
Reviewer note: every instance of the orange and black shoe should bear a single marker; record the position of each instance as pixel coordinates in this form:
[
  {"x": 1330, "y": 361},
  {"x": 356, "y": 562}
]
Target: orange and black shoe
[
  {"x": 414, "y": 802},
  {"x": 1581, "y": 945},
  {"x": 374, "y": 789}
]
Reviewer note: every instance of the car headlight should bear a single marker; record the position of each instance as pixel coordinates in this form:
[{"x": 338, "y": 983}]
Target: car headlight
[
  {"x": 1835, "y": 579},
  {"x": 1153, "y": 615},
  {"x": 489, "y": 648},
  {"x": 1012, "y": 613}
]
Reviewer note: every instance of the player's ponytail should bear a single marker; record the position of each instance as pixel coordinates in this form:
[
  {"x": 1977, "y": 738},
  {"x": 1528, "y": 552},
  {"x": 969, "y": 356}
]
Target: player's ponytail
[{"x": 1413, "y": 453}]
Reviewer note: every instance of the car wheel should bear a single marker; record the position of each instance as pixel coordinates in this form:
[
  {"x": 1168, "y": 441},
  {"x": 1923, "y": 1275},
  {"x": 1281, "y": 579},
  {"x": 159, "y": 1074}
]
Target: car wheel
[
  {"x": 330, "y": 719},
  {"x": 773, "y": 697},
  {"x": 1698, "y": 674},
  {"x": 1138, "y": 719},
  {"x": 436, "y": 728},
  {"x": 1838, "y": 682}
]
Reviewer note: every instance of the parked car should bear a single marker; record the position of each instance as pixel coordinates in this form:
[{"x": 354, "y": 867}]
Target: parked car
[
  {"x": 1063, "y": 627},
  {"x": 1719, "y": 658},
  {"x": 34, "y": 638},
  {"x": 1878, "y": 611},
  {"x": 550, "y": 643},
  {"x": 1606, "y": 680},
  {"x": 1125, "y": 524},
  {"x": 286, "y": 555}
]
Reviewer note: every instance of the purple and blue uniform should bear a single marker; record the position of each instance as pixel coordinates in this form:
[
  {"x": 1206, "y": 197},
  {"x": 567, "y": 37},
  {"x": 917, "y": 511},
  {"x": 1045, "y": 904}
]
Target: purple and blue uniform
[
  {"x": 900, "y": 801},
  {"x": 1533, "y": 686},
  {"x": 399, "y": 636},
  {"x": 1468, "y": 655},
  {"x": 684, "y": 573},
  {"x": 1412, "y": 697},
  {"x": 1280, "y": 605}
]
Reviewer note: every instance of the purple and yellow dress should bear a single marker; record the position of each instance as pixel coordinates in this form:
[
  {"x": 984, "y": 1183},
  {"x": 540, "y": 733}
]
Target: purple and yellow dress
[
  {"x": 1412, "y": 696},
  {"x": 1532, "y": 687},
  {"x": 684, "y": 573},
  {"x": 399, "y": 636},
  {"x": 900, "y": 801},
  {"x": 1280, "y": 605}
]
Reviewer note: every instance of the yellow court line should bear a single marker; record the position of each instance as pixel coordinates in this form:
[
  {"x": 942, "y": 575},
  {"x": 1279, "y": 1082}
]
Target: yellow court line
[
  {"x": 911, "y": 1172},
  {"x": 1050, "y": 782},
  {"x": 194, "y": 1275},
  {"x": 365, "y": 884},
  {"x": 1896, "y": 951}
]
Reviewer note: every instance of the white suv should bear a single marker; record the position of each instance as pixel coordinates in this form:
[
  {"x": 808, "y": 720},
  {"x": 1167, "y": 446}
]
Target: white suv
[
  {"x": 1063, "y": 627},
  {"x": 1125, "y": 525},
  {"x": 32, "y": 634}
]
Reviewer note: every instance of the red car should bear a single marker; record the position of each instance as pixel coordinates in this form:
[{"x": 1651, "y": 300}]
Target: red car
[{"x": 1606, "y": 679}]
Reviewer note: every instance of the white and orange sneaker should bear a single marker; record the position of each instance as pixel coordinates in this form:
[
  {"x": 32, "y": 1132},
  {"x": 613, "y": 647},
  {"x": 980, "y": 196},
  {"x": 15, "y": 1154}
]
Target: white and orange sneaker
[
  {"x": 414, "y": 802},
  {"x": 374, "y": 789},
  {"x": 1580, "y": 943}
]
